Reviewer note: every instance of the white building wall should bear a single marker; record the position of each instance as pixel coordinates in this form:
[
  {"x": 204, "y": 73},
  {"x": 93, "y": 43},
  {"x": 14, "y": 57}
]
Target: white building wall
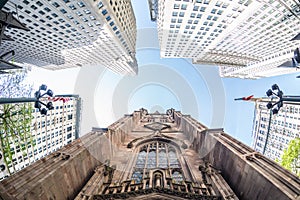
[
  {"x": 284, "y": 127},
  {"x": 48, "y": 133}
]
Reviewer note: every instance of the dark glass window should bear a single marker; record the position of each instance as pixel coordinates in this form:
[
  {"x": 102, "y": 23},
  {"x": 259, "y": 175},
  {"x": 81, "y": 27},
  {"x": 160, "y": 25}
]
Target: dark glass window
[{"x": 104, "y": 12}]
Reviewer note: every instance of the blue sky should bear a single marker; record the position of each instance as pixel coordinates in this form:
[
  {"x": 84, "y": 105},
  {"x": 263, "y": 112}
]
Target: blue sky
[{"x": 162, "y": 84}]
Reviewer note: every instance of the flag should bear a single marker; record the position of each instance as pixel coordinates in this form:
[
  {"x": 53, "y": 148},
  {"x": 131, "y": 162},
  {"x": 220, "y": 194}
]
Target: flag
[
  {"x": 63, "y": 99},
  {"x": 245, "y": 98}
]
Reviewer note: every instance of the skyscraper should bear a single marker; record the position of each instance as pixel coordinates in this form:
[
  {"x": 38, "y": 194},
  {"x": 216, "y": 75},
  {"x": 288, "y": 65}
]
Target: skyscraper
[
  {"x": 65, "y": 34},
  {"x": 30, "y": 136},
  {"x": 272, "y": 133},
  {"x": 246, "y": 39},
  {"x": 154, "y": 156}
]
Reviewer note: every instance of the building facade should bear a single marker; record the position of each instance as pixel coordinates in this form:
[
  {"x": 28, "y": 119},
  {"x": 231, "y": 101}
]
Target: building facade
[
  {"x": 153, "y": 7},
  {"x": 31, "y": 136},
  {"x": 272, "y": 133},
  {"x": 246, "y": 39},
  {"x": 153, "y": 156},
  {"x": 66, "y": 33}
]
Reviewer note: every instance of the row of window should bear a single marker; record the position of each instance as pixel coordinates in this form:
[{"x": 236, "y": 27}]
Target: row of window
[
  {"x": 52, "y": 17},
  {"x": 263, "y": 34}
]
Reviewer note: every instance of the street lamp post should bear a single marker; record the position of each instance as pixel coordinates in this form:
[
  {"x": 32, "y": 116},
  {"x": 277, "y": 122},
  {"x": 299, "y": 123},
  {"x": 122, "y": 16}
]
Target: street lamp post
[
  {"x": 37, "y": 103},
  {"x": 276, "y": 94}
]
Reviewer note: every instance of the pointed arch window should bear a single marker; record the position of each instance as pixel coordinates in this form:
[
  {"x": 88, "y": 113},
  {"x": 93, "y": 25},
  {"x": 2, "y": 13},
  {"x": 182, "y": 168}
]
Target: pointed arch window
[
  {"x": 156, "y": 155},
  {"x": 173, "y": 159},
  {"x": 141, "y": 159}
]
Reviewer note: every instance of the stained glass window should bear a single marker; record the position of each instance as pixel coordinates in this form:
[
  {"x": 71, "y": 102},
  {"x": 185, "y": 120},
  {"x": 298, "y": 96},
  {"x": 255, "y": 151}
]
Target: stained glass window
[
  {"x": 177, "y": 177},
  {"x": 156, "y": 155},
  {"x": 140, "y": 163},
  {"x": 173, "y": 159},
  {"x": 137, "y": 176},
  {"x": 151, "y": 163},
  {"x": 162, "y": 159}
]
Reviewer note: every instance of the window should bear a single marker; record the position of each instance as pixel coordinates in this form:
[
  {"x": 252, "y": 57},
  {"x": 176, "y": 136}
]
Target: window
[
  {"x": 87, "y": 11},
  {"x": 63, "y": 11},
  {"x": 55, "y": 4},
  {"x": 173, "y": 159},
  {"x": 137, "y": 176},
  {"x": 104, "y": 12},
  {"x": 151, "y": 159},
  {"x": 156, "y": 155},
  {"x": 81, "y": 4},
  {"x": 72, "y": 7},
  {"x": 100, "y": 5},
  {"x": 42, "y": 13},
  {"x": 69, "y": 128},
  {"x": 69, "y": 135},
  {"x": 177, "y": 177},
  {"x": 140, "y": 163},
  {"x": 162, "y": 159}
]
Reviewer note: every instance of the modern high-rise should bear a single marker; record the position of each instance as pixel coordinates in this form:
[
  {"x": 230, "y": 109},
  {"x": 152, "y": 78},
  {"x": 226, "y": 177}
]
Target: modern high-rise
[
  {"x": 246, "y": 39},
  {"x": 64, "y": 33},
  {"x": 153, "y": 156},
  {"x": 273, "y": 132},
  {"x": 42, "y": 135}
]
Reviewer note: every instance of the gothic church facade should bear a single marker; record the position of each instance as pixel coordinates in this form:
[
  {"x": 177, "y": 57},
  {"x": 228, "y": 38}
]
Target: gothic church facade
[{"x": 154, "y": 156}]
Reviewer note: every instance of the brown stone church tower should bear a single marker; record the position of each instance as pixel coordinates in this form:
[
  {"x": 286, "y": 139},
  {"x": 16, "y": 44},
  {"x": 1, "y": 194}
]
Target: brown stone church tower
[{"x": 153, "y": 156}]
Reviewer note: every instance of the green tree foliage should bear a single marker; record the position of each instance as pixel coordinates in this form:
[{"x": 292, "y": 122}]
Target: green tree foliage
[
  {"x": 15, "y": 119},
  {"x": 15, "y": 129},
  {"x": 291, "y": 157}
]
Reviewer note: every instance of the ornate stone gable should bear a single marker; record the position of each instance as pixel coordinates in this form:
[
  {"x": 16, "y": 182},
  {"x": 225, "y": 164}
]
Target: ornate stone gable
[{"x": 160, "y": 165}]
